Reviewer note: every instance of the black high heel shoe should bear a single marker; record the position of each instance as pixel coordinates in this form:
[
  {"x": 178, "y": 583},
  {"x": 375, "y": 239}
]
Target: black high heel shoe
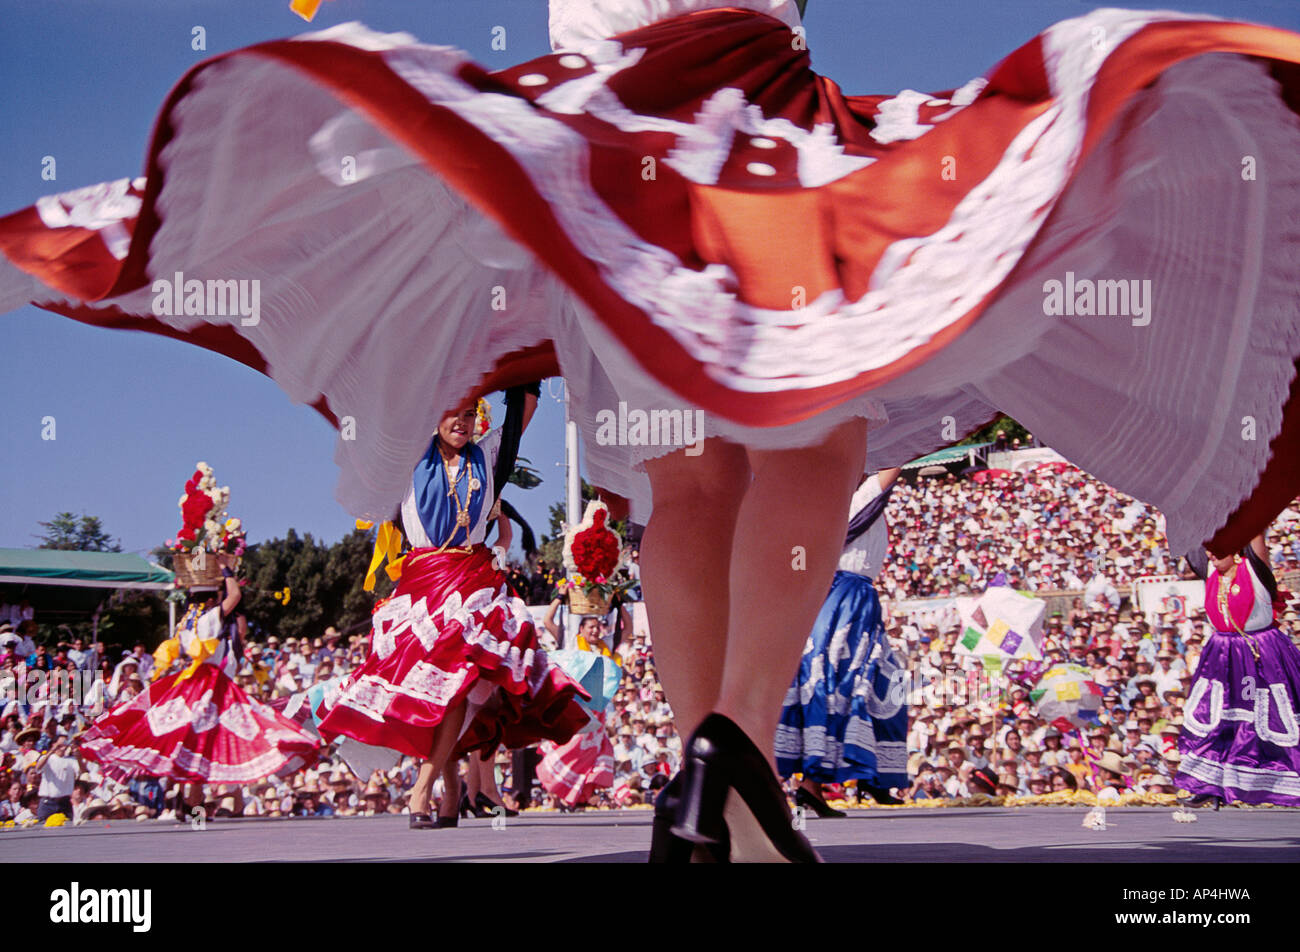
[
  {"x": 667, "y": 848},
  {"x": 804, "y": 797},
  {"x": 441, "y": 822},
  {"x": 1205, "y": 799},
  {"x": 721, "y": 762},
  {"x": 421, "y": 821},
  {"x": 489, "y": 807},
  {"x": 881, "y": 795},
  {"x": 466, "y": 808}
]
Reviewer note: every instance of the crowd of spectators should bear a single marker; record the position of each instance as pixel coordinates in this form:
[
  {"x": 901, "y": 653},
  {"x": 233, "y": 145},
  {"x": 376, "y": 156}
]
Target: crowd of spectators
[
  {"x": 969, "y": 733},
  {"x": 1052, "y": 528}
]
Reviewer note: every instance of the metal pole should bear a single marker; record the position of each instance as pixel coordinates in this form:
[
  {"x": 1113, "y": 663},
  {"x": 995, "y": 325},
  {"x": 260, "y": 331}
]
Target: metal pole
[{"x": 573, "y": 485}]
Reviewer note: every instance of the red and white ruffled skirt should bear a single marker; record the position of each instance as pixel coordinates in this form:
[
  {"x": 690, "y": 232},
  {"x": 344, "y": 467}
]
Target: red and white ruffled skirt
[
  {"x": 453, "y": 633},
  {"x": 203, "y": 729},
  {"x": 576, "y": 770},
  {"x": 1101, "y": 237}
]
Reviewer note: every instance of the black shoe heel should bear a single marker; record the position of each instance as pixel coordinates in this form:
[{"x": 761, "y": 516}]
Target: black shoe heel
[
  {"x": 421, "y": 821},
  {"x": 667, "y": 848},
  {"x": 721, "y": 761},
  {"x": 704, "y": 797},
  {"x": 806, "y": 798},
  {"x": 489, "y": 807},
  {"x": 476, "y": 806}
]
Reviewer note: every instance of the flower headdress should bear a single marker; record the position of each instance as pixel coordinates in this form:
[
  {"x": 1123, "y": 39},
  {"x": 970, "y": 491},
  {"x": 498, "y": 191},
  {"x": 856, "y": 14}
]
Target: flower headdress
[{"x": 205, "y": 523}]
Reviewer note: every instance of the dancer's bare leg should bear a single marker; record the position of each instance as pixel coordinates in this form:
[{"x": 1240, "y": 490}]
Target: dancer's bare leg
[
  {"x": 487, "y": 778},
  {"x": 192, "y": 795},
  {"x": 473, "y": 779},
  {"x": 788, "y": 541},
  {"x": 685, "y": 553},
  {"x": 445, "y": 736},
  {"x": 450, "y": 805}
]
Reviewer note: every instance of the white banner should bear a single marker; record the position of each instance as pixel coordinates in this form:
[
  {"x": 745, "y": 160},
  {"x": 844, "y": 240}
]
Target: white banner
[
  {"x": 1155, "y": 596},
  {"x": 941, "y": 612},
  {"x": 1019, "y": 461}
]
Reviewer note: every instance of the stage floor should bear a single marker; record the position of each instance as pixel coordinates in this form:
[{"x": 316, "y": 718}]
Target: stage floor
[{"x": 1040, "y": 834}]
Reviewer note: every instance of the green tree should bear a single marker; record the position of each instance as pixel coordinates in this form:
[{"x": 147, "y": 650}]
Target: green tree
[
  {"x": 133, "y": 615},
  {"x": 324, "y": 584},
  {"x": 986, "y": 434},
  {"x": 523, "y": 475},
  {"x": 84, "y": 534}
]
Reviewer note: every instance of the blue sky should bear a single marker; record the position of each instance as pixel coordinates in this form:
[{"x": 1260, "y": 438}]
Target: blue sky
[{"x": 83, "y": 81}]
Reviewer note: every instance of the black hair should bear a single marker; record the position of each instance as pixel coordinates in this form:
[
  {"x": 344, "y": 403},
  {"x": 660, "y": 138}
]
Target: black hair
[
  {"x": 1262, "y": 569},
  {"x": 198, "y": 598},
  {"x": 1070, "y": 779}
]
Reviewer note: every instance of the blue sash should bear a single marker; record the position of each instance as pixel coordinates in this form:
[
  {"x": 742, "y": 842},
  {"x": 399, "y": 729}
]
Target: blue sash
[{"x": 436, "y": 508}]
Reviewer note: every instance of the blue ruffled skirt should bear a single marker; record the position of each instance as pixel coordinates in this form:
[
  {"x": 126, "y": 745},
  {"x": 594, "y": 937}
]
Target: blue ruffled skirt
[{"x": 845, "y": 716}]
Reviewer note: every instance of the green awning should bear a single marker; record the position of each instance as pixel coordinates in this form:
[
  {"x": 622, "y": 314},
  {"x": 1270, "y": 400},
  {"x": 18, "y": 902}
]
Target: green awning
[
  {"x": 81, "y": 569},
  {"x": 949, "y": 455}
]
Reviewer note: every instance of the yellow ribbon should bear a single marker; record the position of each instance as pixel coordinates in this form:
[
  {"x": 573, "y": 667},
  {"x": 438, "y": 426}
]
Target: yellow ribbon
[
  {"x": 599, "y": 647},
  {"x": 200, "y": 651},
  {"x": 388, "y": 545},
  {"x": 164, "y": 655}
]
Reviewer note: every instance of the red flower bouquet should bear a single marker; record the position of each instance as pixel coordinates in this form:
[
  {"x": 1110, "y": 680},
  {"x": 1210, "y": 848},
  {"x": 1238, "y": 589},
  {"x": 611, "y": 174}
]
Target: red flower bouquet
[
  {"x": 592, "y": 554},
  {"x": 204, "y": 523}
]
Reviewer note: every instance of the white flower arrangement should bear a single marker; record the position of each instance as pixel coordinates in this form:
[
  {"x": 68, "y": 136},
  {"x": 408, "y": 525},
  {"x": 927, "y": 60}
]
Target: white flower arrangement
[{"x": 213, "y": 530}]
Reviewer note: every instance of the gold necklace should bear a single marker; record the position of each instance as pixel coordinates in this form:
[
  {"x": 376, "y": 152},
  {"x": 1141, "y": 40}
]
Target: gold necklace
[
  {"x": 1228, "y": 584},
  {"x": 462, "y": 509}
]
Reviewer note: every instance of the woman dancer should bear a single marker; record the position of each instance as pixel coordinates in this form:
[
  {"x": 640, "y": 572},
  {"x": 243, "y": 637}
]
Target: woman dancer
[
  {"x": 691, "y": 224},
  {"x": 197, "y": 725},
  {"x": 845, "y": 718},
  {"x": 454, "y": 664},
  {"x": 1240, "y": 738},
  {"x": 574, "y": 771}
]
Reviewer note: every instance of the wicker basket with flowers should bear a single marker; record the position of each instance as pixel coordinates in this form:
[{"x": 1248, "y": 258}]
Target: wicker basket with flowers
[
  {"x": 206, "y": 530},
  {"x": 592, "y": 557}
]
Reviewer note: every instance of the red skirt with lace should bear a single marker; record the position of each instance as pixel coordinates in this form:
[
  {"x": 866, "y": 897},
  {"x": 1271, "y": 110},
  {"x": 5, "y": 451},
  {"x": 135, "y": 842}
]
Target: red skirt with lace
[
  {"x": 202, "y": 729},
  {"x": 452, "y": 634},
  {"x": 576, "y": 770}
]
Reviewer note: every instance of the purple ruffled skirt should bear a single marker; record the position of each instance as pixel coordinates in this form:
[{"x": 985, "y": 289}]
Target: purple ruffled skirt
[{"x": 1240, "y": 737}]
